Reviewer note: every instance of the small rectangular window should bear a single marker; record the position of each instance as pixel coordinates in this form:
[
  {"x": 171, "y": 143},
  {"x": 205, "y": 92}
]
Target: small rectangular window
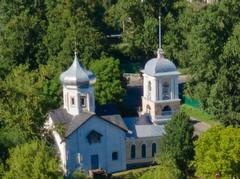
[
  {"x": 83, "y": 101},
  {"x": 114, "y": 156},
  {"x": 72, "y": 101}
]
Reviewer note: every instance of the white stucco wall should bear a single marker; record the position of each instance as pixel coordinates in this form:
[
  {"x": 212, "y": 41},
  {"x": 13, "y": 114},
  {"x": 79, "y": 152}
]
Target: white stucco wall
[
  {"x": 153, "y": 80},
  {"x": 62, "y": 149},
  {"x": 112, "y": 140},
  {"x": 58, "y": 140},
  {"x": 75, "y": 92}
]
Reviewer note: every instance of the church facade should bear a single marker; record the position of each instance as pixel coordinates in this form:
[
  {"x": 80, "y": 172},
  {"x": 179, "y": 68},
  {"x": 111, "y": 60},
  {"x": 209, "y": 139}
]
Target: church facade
[{"x": 88, "y": 139}]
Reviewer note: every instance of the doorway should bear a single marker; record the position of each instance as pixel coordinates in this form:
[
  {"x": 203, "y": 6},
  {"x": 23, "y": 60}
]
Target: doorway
[{"x": 94, "y": 162}]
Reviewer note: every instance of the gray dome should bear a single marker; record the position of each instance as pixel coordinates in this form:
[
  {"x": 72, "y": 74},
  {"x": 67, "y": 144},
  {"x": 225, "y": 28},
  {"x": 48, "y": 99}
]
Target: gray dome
[
  {"x": 75, "y": 75},
  {"x": 159, "y": 65}
]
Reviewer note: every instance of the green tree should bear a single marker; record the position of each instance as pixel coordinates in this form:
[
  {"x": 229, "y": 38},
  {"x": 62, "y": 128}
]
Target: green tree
[
  {"x": 206, "y": 44},
  {"x": 177, "y": 32},
  {"x": 21, "y": 100},
  {"x": 1, "y": 169},
  {"x": 70, "y": 28},
  {"x": 25, "y": 99},
  {"x": 32, "y": 160},
  {"x": 138, "y": 22},
  {"x": 167, "y": 169},
  {"x": 217, "y": 152},
  {"x": 178, "y": 141},
  {"x": 22, "y": 28},
  {"x": 110, "y": 83},
  {"x": 225, "y": 93}
]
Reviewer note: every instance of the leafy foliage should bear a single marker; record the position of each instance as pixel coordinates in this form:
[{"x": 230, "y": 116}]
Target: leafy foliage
[
  {"x": 71, "y": 28},
  {"x": 110, "y": 83},
  {"x": 225, "y": 93},
  {"x": 214, "y": 60},
  {"x": 32, "y": 160},
  {"x": 166, "y": 170},
  {"x": 138, "y": 21},
  {"x": 78, "y": 174},
  {"x": 177, "y": 143},
  {"x": 21, "y": 102},
  {"x": 217, "y": 152},
  {"x": 24, "y": 99},
  {"x": 22, "y": 28}
]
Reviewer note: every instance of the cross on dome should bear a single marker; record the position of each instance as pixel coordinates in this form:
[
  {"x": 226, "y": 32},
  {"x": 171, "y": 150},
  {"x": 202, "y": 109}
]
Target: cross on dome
[{"x": 160, "y": 51}]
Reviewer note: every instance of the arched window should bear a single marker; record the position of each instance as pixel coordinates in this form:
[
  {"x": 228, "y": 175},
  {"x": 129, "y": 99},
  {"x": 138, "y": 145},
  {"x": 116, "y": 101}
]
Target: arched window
[
  {"x": 143, "y": 150},
  {"x": 166, "y": 91},
  {"x": 166, "y": 111},
  {"x": 148, "y": 109},
  {"x": 154, "y": 149},
  {"x": 133, "y": 151},
  {"x": 149, "y": 89}
]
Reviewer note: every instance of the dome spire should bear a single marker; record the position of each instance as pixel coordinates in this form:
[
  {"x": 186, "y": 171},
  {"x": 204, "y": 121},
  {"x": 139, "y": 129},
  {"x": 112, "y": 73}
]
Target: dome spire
[
  {"x": 75, "y": 55},
  {"x": 160, "y": 50}
]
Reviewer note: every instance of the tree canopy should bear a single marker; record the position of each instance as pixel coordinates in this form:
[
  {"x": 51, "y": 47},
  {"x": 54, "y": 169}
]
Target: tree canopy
[
  {"x": 213, "y": 51},
  {"x": 32, "y": 160},
  {"x": 217, "y": 152},
  {"x": 177, "y": 143},
  {"x": 166, "y": 170},
  {"x": 110, "y": 83}
]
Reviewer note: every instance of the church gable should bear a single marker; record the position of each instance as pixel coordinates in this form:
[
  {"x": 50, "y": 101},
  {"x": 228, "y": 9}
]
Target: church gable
[
  {"x": 70, "y": 123},
  {"x": 115, "y": 121}
]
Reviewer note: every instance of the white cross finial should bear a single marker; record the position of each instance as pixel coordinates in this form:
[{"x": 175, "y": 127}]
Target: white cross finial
[
  {"x": 75, "y": 50},
  {"x": 159, "y": 30},
  {"x": 160, "y": 50}
]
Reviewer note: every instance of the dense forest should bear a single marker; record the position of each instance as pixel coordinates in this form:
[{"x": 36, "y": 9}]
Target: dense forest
[{"x": 37, "y": 42}]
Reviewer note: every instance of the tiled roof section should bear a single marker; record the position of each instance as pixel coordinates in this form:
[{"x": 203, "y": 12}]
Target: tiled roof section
[
  {"x": 149, "y": 130},
  {"x": 143, "y": 127},
  {"x": 61, "y": 116},
  {"x": 116, "y": 120},
  {"x": 77, "y": 121},
  {"x": 71, "y": 123}
]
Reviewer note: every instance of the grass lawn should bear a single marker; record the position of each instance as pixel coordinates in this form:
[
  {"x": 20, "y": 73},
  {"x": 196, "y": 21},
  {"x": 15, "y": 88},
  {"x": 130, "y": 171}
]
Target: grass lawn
[
  {"x": 198, "y": 114},
  {"x": 131, "y": 174}
]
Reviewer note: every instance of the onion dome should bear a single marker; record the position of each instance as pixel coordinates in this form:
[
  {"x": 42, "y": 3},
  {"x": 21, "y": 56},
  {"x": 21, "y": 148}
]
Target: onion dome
[
  {"x": 76, "y": 75},
  {"x": 156, "y": 66}
]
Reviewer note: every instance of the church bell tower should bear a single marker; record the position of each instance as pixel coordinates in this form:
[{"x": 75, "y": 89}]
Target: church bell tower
[
  {"x": 78, "y": 93},
  {"x": 160, "y": 98}
]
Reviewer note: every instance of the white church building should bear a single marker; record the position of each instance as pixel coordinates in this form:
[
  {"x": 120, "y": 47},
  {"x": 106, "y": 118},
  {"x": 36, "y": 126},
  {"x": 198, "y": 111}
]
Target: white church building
[{"x": 88, "y": 140}]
